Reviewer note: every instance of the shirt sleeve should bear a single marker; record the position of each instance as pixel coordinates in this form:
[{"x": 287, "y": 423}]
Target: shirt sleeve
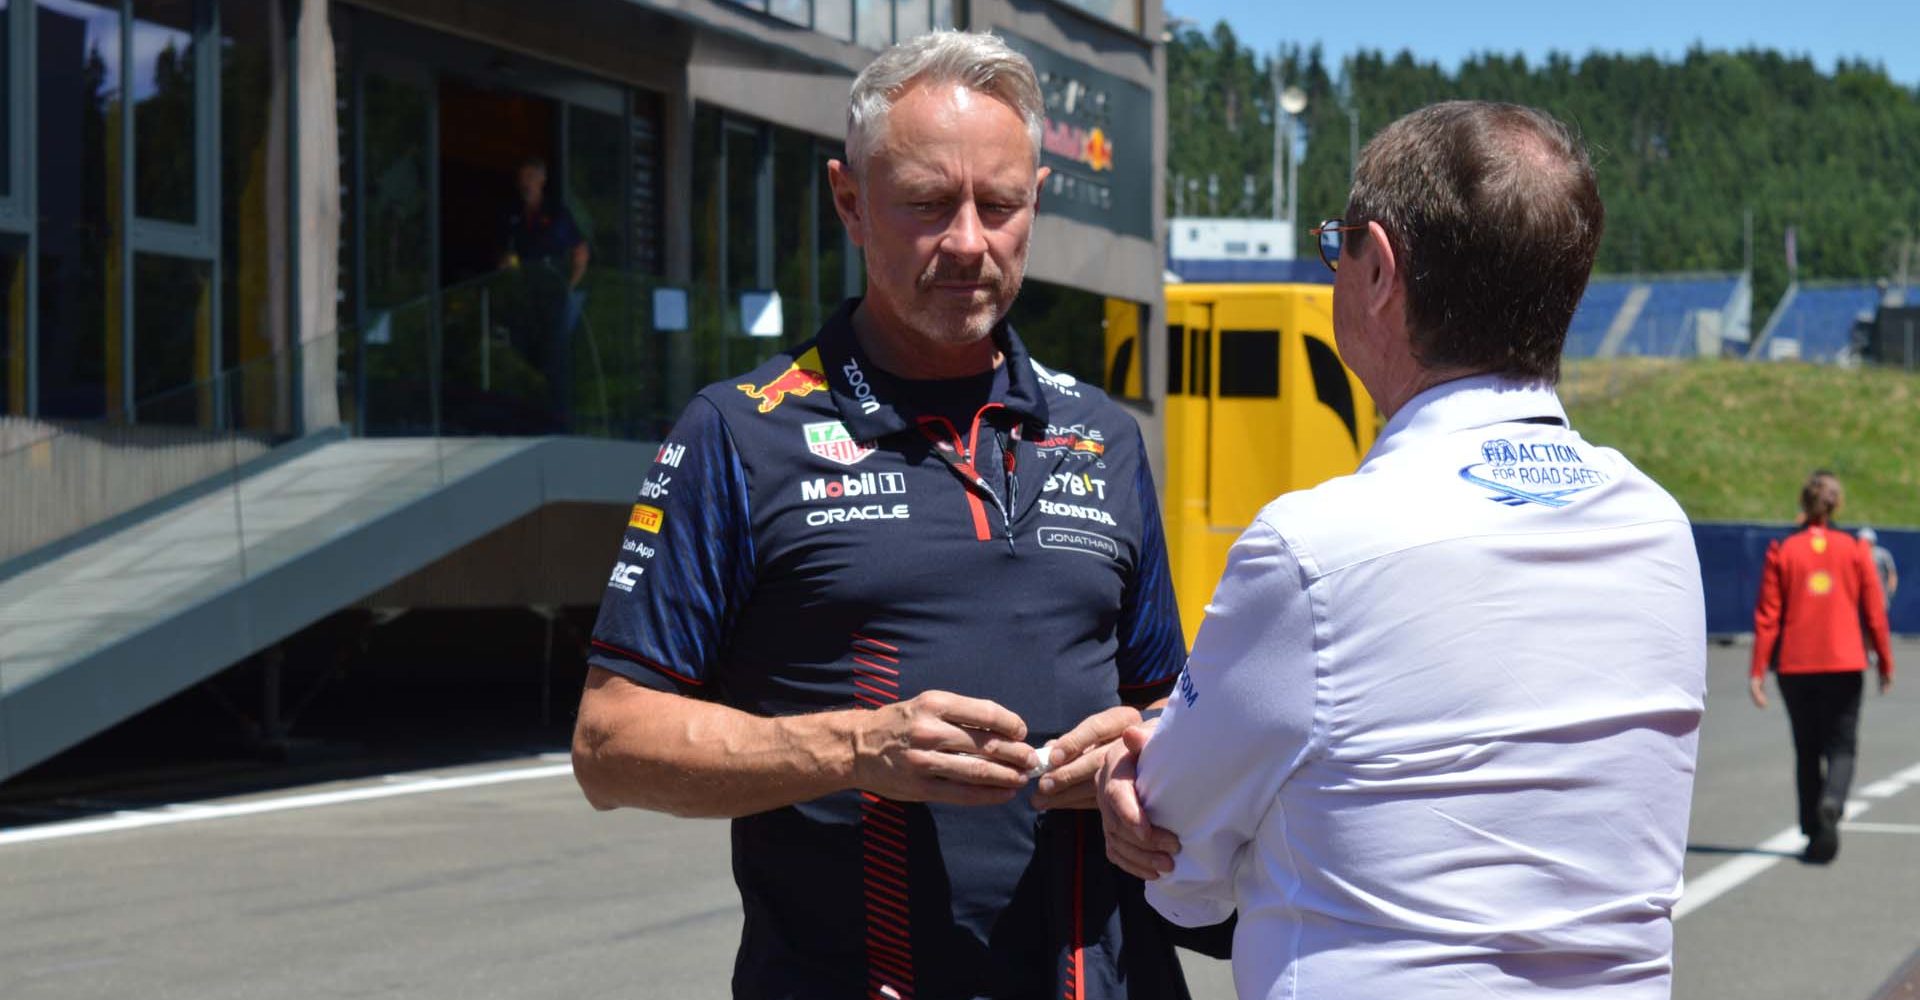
[
  {"x": 686, "y": 563},
  {"x": 1767, "y": 610},
  {"x": 1152, "y": 645},
  {"x": 1241, "y": 721}
]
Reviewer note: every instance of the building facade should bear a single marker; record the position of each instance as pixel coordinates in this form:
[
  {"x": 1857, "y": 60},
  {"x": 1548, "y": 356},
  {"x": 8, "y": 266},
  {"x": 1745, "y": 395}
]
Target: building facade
[{"x": 283, "y": 216}]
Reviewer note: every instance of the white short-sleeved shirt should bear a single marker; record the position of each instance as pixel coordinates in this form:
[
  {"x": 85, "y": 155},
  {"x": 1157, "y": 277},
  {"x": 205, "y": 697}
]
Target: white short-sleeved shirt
[{"x": 1437, "y": 734}]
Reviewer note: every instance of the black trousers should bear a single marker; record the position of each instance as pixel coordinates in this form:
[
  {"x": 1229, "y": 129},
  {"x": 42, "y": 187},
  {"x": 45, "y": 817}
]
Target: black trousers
[{"x": 1825, "y": 712}]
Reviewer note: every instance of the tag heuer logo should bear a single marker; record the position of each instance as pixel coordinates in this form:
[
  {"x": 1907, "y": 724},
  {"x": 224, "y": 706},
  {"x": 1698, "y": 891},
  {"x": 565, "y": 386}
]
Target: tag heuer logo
[{"x": 831, "y": 441}]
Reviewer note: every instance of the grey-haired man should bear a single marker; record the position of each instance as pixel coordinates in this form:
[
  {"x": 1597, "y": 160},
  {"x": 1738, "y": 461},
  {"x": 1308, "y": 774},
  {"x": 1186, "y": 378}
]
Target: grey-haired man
[{"x": 866, "y": 581}]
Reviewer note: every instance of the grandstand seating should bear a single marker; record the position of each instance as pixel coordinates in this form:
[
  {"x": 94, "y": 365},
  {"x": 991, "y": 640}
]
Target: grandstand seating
[
  {"x": 1666, "y": 327},
  {"x": 1666, "y": 322},
  {"x": 1820, "y": 319},
  {"x": 1595, "y": 314}
]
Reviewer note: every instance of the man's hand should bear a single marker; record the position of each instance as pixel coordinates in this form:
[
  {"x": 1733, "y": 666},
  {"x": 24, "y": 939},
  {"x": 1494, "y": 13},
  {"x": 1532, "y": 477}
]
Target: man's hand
[
  {"x": 1074, "y": 760},
  {"x": 1138, "y": 847},
  {"x": 942, "y": 747},
  {"x": 1886, "y": 683},
  {"x": 1757, "y": 688}
]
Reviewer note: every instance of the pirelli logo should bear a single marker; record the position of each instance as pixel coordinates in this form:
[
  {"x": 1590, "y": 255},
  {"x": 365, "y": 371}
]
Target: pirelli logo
[{"x": 646, "y": 518}]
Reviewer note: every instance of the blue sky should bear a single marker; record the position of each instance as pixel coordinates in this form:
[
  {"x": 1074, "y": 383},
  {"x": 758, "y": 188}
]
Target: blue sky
[{"x": 1886, "y": 31}]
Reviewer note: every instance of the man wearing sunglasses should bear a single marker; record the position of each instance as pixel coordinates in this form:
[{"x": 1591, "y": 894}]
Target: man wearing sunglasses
[{"x": 1436, "y": 737}]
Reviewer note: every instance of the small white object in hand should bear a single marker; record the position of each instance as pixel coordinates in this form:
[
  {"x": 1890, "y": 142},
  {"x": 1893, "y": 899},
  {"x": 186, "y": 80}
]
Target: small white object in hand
[{"x": 1046, "y": 762}]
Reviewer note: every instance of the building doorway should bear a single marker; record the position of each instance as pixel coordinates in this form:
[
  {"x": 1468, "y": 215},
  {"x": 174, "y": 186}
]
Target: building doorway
[{"x": 485, "y": 136}]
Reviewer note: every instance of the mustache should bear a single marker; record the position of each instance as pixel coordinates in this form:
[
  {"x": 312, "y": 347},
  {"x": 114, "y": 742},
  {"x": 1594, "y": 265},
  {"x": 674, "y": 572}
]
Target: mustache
[{"x": 985, "y": 272}]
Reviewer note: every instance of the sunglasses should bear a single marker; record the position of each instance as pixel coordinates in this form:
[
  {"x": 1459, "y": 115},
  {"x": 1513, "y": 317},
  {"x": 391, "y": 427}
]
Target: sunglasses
[{"x": 1328, "y": 235}]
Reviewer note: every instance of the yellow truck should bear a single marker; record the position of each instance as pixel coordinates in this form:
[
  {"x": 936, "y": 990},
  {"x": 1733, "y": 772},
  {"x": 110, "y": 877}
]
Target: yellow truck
[{"x": 1258, "y": 404}]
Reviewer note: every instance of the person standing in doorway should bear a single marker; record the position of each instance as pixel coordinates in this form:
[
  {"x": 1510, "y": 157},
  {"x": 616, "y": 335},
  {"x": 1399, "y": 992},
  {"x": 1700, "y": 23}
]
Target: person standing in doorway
[
  {"x": 1818, "y": 586},
  {"x": 543, "y": 242}
]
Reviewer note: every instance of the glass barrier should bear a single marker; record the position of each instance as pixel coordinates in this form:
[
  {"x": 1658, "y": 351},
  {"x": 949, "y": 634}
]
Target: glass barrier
[{"x": 518, "y": 352}]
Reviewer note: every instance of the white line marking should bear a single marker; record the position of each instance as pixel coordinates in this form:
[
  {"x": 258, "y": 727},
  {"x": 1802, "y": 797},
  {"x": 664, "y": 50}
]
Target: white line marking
[
  {"x": 191, "y": 813},
  {"x": 1733, "y": 874},
  {"x": 1885, "y": 788},
  {"x": 1882, "y": 828}
]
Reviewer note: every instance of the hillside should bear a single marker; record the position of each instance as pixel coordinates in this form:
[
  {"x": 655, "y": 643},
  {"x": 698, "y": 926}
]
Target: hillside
[{"x": 1734, "y": 441}]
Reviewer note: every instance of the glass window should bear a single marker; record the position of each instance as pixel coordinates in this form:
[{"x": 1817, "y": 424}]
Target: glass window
[
  {"x": 163, "y": 109},
  {"x": 647, "y": 187},
  {"x": 873, "y": 23},
  {"x": 794, "y": 220},
  {"x": 602, "y": 354},
  {"x": 396, "y": 316},
  {"x": 911, "y": 18},
  {"x": 6, "y": 104},
  {"x": 707, "y": 196},
  {"x": 252, "y": 232},
  {"x": 1176, "y": 360},
  {"x": 1250, "y": 363},
  {"x": 743, "y": 209},
  {"x": 395, "y": 155},
  {"x": 834, "y": 17},
  {"x": 1064, "y": 328},
  {"x": 593, "y": 190},
  {"x": 172, "y": 340},
  {"x": 13, "y": 332},
  {"x": 831, "y": 248},
  {"x": 943, "y": 14},
  {"x": 795, "y": 11},
  {"x": 79, "y": 105}
]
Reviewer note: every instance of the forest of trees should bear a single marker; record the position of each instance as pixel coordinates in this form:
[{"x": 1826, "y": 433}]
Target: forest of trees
[{"x": 1684, "y": 149}]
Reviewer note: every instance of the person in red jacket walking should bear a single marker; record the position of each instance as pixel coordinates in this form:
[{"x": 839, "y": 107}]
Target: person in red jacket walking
[{"x": 1818, "y": 588}]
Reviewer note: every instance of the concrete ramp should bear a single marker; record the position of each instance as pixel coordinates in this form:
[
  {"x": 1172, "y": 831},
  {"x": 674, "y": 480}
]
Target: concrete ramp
[{"x": 112, "y": 627}]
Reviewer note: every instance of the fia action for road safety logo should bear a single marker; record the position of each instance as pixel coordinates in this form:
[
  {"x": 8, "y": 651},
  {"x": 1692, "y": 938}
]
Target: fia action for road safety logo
[{"x": 1542, "y": 473}]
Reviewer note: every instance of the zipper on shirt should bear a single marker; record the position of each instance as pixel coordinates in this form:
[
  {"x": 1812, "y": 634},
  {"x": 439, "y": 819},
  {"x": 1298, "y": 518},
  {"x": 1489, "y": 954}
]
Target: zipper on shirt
[{"x": 958, "y": 456}]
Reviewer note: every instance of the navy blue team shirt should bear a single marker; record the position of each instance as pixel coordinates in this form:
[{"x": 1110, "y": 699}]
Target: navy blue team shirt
[{"x": 819, "y": 535}]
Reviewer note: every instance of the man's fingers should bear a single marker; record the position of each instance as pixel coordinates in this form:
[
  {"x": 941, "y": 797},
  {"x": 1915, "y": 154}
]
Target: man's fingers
[
  {"x": 1094, "y": 731},
  {"x": 1079, "y": 796},
  {"x": 1136, "y": 738},
  {"x": 933, "y": 734},
  {"x": 1136, "y": 861},
  {"x": 1079, "y": 772},
  {"x": 964, "y": 769},
  {"x": 1122, "y": 802},
  {"x": 975, "y": 713},
  {"x": 962, "y": 794}
]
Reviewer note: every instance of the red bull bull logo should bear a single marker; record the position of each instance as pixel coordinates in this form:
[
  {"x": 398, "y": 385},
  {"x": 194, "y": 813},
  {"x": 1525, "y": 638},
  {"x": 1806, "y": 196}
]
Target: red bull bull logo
[{"x": 802, "y": 377}]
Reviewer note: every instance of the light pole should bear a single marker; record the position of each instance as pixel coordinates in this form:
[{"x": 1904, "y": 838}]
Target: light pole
[{"x": 1293, "y": 100}]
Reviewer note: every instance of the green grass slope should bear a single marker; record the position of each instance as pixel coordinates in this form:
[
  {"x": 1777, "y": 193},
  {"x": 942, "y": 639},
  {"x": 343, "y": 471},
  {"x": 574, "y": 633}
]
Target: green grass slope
[{"x": 1734, "y": 441}]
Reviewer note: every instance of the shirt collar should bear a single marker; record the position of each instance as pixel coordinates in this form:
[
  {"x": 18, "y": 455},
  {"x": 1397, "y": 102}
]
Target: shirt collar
[
  {"x": 1464, "y": 403},
  {"x": 870, "y": 402}
]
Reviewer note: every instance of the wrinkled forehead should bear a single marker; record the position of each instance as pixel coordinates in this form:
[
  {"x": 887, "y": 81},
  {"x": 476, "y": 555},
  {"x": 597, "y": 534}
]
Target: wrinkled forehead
[{"x": 951, "y": 132}]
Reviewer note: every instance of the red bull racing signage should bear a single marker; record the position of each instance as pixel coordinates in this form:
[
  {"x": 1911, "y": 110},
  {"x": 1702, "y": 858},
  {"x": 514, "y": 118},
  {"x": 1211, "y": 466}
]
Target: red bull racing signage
[{"x": 1098, "y": 142}]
